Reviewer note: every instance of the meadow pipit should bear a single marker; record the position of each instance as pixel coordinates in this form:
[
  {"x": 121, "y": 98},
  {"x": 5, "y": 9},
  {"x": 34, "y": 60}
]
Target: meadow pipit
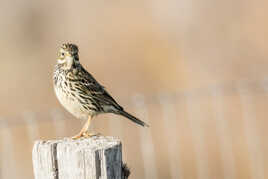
[{"x": 79, "y": 92}]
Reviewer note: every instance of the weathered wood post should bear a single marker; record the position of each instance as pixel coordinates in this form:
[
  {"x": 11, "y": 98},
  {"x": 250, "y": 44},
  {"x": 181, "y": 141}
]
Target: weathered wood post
[{"x": 92, "y": 158}]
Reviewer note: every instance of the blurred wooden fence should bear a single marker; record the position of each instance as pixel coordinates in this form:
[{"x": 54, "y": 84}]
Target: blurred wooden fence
[{"x": 216, "y": 132}]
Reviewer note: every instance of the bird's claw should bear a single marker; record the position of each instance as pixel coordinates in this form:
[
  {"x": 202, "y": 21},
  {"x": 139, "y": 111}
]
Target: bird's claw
[
  {"x": 85, "y": 135},
  {"x": 88, "y": 135}
]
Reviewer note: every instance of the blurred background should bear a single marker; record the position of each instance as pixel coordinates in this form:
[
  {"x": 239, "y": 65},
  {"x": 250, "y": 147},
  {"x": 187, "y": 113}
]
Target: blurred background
[{"x": 196, "y": 71}]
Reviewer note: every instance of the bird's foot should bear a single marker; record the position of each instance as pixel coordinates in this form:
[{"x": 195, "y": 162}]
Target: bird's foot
[
  {"x": 85, "y": 135},
  {"x": 78, "y": 136},
  {"x": 88, "y": 135}
]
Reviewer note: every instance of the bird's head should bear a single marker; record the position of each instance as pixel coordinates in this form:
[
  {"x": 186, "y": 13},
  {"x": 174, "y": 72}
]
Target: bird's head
[{"x": 68, "y": 55}]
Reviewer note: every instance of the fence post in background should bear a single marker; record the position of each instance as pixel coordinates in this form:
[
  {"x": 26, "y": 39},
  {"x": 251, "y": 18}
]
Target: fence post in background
[
  {"x": 195, "y": 115},
  {"x": 147, "y": 146},
  {"x": 224, "y": 134},
  {"x": 7, "y": 160},
  {"x": 91, "y": 158},
  {"x": 169, "y": 117},
  {"x": 58, "y": 121},
  {"x": 251, "y": 131},
  {"x": 32, "y": 126}
]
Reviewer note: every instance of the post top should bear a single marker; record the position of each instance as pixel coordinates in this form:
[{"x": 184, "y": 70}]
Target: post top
[
  {"x": 85, "y": 158},
  {"x": 93, "y": 143}
]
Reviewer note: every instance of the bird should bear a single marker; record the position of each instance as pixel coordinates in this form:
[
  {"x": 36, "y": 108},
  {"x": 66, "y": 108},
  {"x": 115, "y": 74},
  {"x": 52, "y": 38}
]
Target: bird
[{"x": 80, "y": 93}]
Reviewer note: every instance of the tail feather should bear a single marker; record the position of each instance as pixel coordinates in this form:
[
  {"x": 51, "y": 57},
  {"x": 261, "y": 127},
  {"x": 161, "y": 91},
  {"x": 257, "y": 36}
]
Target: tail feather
[{"x": 133, "y": 118}]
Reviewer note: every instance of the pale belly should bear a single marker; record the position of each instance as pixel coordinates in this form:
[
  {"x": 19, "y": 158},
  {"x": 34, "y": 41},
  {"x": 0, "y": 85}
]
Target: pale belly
[{"x": 71, "y": 104}]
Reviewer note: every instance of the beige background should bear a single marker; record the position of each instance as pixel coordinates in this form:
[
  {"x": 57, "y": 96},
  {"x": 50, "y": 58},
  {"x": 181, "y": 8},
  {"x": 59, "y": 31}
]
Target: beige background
[{"x": 195, "y": 70}]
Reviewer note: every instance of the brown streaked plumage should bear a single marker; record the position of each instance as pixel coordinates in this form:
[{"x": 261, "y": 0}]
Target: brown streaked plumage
[{"x": 79, "y": 92}]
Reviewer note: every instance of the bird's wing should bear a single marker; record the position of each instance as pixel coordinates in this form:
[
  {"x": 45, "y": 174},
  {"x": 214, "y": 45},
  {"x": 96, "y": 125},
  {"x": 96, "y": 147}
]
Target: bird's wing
[{"x": 97, "y": 91}]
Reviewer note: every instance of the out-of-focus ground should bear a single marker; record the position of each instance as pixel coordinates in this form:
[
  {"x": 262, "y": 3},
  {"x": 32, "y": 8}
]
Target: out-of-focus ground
[{"x": 196, "y": 71}]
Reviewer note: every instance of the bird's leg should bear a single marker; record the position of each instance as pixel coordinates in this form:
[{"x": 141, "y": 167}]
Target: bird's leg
[{"x": 84, "y": 131}]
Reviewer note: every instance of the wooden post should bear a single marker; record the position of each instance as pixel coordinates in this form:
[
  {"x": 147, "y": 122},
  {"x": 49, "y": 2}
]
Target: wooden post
[{"x": 92, "y": 158}]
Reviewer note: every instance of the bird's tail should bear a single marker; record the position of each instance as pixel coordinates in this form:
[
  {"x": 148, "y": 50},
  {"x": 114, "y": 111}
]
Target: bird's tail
[{"x": 133, "y": 118}]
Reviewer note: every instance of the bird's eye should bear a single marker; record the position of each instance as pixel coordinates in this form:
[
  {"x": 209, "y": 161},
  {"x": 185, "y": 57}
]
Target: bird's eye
[{"x": 62, "y": 54}]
